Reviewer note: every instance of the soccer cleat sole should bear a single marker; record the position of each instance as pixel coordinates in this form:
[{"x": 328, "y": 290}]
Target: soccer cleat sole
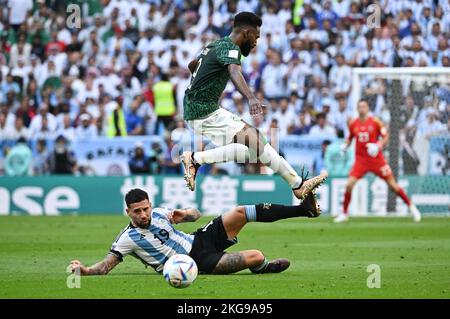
[
  {"x": 316, "y": 207},
  {"x": 310, "y": 185}
]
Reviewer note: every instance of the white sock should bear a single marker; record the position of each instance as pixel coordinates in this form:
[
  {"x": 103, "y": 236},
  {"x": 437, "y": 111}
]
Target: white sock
[
  {"x": 229, "y": 153},
  {"x": 278, "y": 164}
]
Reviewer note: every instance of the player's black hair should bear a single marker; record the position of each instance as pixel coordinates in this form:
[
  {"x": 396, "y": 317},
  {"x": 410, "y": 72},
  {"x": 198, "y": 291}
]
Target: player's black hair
[
  {"x": 135, "y": 195},
  {"x": 363, "y": 100},
  {"x": 247, "y": 19}
]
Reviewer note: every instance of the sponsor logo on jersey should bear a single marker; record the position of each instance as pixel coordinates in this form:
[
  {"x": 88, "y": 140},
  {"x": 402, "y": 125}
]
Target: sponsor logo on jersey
[{"x": 233, "y": 54}]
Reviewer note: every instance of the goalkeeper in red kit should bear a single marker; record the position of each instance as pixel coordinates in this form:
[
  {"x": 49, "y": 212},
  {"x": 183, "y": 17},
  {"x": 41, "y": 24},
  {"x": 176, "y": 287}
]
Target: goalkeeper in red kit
[{"x": 371, "y": 136}]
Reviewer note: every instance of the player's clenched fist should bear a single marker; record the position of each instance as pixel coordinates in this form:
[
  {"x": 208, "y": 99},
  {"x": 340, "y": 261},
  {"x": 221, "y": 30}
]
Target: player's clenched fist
[{"x": 77, "y": 265}]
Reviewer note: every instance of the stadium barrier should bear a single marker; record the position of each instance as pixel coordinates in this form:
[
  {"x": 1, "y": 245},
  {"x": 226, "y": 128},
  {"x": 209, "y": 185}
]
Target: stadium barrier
[{"x": 54, "y": 195}]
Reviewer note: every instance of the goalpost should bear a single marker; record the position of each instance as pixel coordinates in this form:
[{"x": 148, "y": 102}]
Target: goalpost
[{"x": 414, "y": 104}]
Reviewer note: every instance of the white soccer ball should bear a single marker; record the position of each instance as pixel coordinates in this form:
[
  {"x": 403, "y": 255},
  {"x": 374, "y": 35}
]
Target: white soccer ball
[{"x": 180, "y": 271}]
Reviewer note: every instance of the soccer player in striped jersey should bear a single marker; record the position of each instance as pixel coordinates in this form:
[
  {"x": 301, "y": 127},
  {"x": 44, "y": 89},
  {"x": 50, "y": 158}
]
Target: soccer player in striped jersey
[
  {"x": 370, "y": 135},
  {"x": 151, "y": 237}
]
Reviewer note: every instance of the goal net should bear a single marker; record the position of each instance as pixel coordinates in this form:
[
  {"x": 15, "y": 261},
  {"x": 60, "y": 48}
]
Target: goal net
[{"x": 414, "y": 104}]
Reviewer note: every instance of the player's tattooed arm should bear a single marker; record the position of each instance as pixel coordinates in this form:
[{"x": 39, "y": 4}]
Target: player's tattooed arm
[
  {"x": 238, "y": 80},
  {"x": 184, "y": 215},
  {"x": 230, "y": 263},
  {"x": 101, "y": 268}
]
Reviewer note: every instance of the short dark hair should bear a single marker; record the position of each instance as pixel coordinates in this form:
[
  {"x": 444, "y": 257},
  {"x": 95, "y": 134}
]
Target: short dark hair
[
  {"x": 135, "y": 195},
  {"x": 247, "y": 19},
  {"x": 321, "y": 115},
  {"x": 363, "y": 101}
]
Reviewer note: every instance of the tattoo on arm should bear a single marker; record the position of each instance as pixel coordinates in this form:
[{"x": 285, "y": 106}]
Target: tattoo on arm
[
  {"x": 238, "y": 80},
  {"x": 230, "y": 263},
  {"x": 105, "y": 266},
  {"x": 192, "y": 214},
  {"x": 185, "y": 215}
]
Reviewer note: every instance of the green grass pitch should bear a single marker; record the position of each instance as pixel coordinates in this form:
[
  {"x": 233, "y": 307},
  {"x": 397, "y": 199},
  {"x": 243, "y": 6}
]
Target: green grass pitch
[{"x": 327, "y": 260}]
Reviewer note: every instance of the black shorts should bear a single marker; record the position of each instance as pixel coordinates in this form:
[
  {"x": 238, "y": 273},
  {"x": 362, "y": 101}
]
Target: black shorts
[{"x": 209, "y": 244}]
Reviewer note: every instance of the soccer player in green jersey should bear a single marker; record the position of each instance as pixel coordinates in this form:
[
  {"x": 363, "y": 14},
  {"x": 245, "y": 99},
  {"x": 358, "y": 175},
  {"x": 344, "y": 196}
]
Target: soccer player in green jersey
[{"x": 236, "y": 140}]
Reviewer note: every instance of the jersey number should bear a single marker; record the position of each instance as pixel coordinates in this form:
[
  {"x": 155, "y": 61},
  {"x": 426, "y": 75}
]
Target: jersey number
[
  {"x": 363, "y": 137},
  {"x": 198, "y": 67},
  {"x": 163, "y": 236},
  {"x": 195, "y": 72}
]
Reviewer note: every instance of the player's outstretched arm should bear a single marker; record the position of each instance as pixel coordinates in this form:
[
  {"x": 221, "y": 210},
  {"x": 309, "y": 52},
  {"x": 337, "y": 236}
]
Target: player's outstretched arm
[
  {"x": 101, "y": 268},
  {"x": 184, "y": 215},
  {"x": 238, "y": 80}
]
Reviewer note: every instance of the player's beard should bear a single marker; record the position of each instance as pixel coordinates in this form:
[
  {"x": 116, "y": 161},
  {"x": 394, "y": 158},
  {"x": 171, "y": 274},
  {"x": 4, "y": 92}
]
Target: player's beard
[
  {"x": 246, "y": 48},
  {"x": 143, "y": 224}
]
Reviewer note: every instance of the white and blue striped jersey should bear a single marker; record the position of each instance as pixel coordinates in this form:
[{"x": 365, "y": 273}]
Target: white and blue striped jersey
[{"x": 154, "y": 245}]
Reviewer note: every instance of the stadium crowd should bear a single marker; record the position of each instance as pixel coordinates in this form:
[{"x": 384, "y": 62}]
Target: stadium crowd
[{"x": 122, "y": 71}]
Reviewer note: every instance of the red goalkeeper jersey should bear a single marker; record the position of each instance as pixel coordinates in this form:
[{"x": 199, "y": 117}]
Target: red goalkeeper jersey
[{"x": 367, "y": 131}]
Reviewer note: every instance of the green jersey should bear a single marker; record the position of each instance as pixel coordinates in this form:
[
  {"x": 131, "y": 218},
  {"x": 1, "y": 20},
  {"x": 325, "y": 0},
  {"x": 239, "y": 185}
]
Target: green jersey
[{"x": 210, "y": 78}]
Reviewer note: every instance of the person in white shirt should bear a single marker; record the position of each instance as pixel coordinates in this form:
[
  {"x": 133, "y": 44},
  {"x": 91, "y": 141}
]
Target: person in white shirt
[
  {"x": 150, "y": 42},
  {"x": 18, "y": 12},
  {"x": 109, "y": 80},
  {"x": 86, "y": 130},
  {"x": 274, "y": 77},
  {"x": 434, "y": 37},
  {"x": 247, "y": 5},
  {"x": 285, "y": 116},
  {"x": 18, "y": 130},
  {"x": 416, "y": 34},
  {"x": 44, "y": 131},
  {"x": 313, "y": 33},
  {"x": 19, "y": 50},
  {"x": 431, "y": 127},
  {"x": 270, "y": 20},
  {"x": 48, "y": 70},
  {"x": 419, "y": 54},
  {"x": 341, "y": 7},
  {"x": 192, "y": 44},
  {"x": 340, "y": 117},
  {"x": 67, "y": 130},
  {"x": 322, "y": 128},
  {"x": 298, "y": 72},
  {"x": 118, "y": 43},
  {"x": 37, "y": 122},
  {"x": 340, "y": 77},
  {"x": 285, "y": 13}
]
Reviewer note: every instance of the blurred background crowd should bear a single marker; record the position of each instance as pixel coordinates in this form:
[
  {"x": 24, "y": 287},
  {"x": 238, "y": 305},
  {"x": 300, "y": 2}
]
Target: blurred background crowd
[{"x": 123, "y": 71}]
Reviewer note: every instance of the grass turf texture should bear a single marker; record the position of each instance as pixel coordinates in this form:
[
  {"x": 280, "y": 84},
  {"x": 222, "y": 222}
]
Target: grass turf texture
[{"x": 327, "y": 260}]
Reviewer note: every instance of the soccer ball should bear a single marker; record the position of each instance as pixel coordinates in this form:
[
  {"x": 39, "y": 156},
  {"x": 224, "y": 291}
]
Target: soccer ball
[{"x": 180, "y": 271}]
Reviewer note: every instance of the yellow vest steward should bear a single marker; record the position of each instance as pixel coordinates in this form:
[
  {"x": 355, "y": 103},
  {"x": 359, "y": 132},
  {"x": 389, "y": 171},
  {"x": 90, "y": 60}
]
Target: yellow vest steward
[{"x": 164, "y": 101}]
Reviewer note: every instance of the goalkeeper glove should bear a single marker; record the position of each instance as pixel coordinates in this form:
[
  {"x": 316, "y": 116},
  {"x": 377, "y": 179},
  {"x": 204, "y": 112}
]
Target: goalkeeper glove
[{"x": 373, "y": 149}]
